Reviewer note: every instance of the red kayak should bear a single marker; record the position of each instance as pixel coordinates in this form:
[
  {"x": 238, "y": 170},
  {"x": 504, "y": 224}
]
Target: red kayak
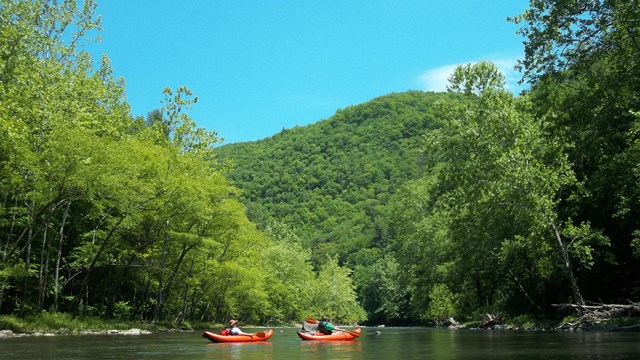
[
  {"x": 337, "y": 335},
  {"x": 259, "y": 336}
]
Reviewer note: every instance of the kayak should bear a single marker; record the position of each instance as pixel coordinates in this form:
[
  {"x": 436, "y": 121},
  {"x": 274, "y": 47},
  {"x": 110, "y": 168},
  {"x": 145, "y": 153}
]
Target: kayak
[
  {"x": 259, "y": 336},
  {"x": 352, "y": 334}
]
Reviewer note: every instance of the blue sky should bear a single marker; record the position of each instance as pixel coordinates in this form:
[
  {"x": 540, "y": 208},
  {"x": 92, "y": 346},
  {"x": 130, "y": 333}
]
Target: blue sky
[{"x": 260, "y": 66}]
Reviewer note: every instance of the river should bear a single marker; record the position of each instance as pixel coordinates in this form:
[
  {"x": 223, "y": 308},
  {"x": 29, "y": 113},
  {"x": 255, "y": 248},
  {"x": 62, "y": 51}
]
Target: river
[{"x": 390, "y": 343}]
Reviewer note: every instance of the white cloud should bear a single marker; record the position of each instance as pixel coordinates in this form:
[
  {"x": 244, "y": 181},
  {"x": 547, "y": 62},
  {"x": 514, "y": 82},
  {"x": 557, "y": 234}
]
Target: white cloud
[
  {"x": 436, "y": 79},
  {"x": 511, "y": 75}
]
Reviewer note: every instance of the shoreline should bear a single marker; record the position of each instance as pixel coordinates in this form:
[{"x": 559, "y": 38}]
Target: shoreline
[
  {"x": 6, "y": 333},
  {"x": 49, "y": 324}
]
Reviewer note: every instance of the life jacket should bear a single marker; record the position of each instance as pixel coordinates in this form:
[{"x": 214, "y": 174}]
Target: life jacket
[
  {"x": 322, "y": 327},
  {"x": 225, "y": 332}
]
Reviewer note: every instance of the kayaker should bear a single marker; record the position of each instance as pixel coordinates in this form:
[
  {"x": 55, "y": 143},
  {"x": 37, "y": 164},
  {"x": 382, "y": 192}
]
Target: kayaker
[
  {"x": 234, "y": 329},
  {"x": 325, "y": 327}
]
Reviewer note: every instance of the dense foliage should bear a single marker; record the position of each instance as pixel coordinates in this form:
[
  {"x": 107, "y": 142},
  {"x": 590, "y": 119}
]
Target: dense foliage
[
  {"x": 583, "y": 58},
  {"x": 105, "y": 215},
  {"x": 330, "y": 180}
]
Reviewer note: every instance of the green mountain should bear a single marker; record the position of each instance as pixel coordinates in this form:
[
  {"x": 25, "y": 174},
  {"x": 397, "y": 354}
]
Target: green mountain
[{"x": 330, "y": 180}]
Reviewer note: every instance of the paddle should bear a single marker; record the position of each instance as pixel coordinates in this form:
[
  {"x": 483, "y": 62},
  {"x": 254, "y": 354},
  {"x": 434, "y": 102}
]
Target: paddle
[
  {"x": 354, "y": 333},
  {"x": 314, "y": 321}
]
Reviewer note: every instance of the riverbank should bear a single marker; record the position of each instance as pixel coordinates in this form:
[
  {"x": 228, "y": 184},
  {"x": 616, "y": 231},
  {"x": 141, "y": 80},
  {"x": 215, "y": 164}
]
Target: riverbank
[
  {"x": 47, "y": 324},
  {"x": 569, "y": 323},
  {"x": 50, "y": 324}
]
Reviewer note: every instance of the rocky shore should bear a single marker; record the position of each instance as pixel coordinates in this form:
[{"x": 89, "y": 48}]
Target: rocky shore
[{"x": 11, "y": 334}]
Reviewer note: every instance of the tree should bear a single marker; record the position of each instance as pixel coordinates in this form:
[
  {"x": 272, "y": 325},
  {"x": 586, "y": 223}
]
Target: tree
[
  {"x": 572, "y": 34},
  {"x": 442, "y": 304},
  {"x": 47, "y": 86},
  {"x": 583, "y": 59},
  {"x": 476, "y": 79},
  {"x": 500, "y": 181},
  {"x": 334, "y": 294},
  {"x": 181, "y": 130},
  {"x": 291, "y": 277}
]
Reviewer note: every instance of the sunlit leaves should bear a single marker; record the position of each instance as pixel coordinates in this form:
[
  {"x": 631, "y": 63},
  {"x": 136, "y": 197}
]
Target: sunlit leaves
[
  {"x": 568, "y": 34},
  {"x": 492, "y": 195},
  {"x": 475, "y": 79},
  {"x": 180, "y": 128},
  {"x": 334, "y": 294}
]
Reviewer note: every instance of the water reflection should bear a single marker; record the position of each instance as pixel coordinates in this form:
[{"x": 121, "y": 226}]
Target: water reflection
[
  {"x": 249, "y": 350},
  {"x": 318, "y": 349}
]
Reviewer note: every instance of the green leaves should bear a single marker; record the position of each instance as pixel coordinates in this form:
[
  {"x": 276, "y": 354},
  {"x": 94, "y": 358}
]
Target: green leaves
[
  {"x": 443, "y": 303},
  {"x": 489, "y": 202},
  {"x": 334, "y": 294},
  {"x": 476, "y": 79},
  {"x": 180, "y": 129},
  {"x": 571, "y": 34}
]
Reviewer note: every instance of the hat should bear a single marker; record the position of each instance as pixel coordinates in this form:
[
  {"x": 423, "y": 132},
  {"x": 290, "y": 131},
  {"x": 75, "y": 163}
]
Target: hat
[{"x": 232, "y": 322}]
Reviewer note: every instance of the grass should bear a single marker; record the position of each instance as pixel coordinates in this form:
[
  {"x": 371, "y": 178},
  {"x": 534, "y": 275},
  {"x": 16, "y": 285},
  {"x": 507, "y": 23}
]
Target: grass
[
  {"x": 60, "y": 323},
  {"x": 63, "y": 324}
]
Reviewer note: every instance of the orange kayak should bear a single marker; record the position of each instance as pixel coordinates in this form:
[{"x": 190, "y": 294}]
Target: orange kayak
[
  {"x": 259, "y": 336},
  {"x": 338, "y": 335}
]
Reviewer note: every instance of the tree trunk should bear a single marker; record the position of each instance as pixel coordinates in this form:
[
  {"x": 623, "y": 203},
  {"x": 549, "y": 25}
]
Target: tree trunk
[
  {"x": 566, "y": 262},
  {"x": 27, "y": 263},
  {"x": 524, "y": 291},
  {"x": 58, "y": 258},
  {"x": 164, "y": 291},
  {"x": 44, "y": 262},
  {"x": 185, "y": 299},
  {"x": 85, "y": 282}
]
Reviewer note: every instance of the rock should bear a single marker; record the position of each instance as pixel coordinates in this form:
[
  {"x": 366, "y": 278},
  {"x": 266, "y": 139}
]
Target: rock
[
  {"x": 136, "y": 332},
  {"x": 6, "y": 333},
  {"x": 89, "y": 332}
]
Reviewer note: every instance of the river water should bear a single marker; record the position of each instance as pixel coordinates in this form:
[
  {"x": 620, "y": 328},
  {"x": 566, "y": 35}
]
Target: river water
[{"x": 390, "y": 343}]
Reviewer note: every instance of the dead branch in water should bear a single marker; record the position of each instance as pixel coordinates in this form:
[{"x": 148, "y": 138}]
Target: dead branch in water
[{"x": 594, "y": 317}]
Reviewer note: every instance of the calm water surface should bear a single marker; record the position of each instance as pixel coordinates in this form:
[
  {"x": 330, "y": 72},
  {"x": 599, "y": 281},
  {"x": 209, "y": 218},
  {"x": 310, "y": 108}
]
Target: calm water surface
[{"x": 392, "y": 343}]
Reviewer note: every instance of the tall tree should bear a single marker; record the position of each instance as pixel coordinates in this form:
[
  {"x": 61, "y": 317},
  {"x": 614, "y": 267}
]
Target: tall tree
[
  {"x": 499, "y": 184},
  {"x": 583, "y": 59}
]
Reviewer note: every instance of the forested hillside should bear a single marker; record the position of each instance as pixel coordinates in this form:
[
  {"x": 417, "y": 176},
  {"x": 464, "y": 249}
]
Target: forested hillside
[{"x": 331, "y": 180}]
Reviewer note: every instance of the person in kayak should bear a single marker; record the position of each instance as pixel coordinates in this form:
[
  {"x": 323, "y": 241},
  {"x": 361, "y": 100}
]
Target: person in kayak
[
  {"x": 234, "y": 329},
  {"x": 325, "y": 327}
]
